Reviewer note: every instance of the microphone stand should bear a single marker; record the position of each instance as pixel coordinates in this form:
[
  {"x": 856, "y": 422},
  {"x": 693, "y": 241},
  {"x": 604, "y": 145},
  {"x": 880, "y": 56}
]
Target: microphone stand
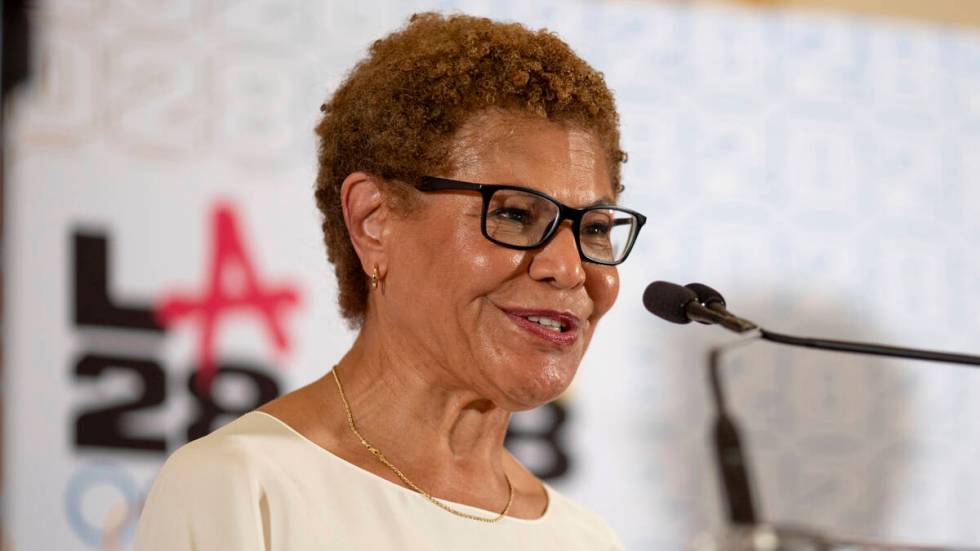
[{"x": 730, "y": 458}]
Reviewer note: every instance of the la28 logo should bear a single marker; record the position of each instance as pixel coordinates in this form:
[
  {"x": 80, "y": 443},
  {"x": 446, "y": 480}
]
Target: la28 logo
[{"x": 136, "y": 329}]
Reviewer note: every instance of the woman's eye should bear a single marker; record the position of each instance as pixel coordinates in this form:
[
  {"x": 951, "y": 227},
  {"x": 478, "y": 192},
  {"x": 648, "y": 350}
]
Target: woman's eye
[
  {"x": 597, "y": 229},
  {"x": 512, "y": 214}
]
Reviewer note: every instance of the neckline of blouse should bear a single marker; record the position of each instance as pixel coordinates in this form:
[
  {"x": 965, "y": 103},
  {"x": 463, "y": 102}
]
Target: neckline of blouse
[{"x": 477, "y": 510}]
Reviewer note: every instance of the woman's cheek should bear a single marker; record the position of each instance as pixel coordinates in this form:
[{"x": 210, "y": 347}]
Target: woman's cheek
[{"x": 603, "y": 288}]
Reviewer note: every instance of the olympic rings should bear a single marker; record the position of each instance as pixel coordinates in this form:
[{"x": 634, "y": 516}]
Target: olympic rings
[{"x": 119, "y": 524}]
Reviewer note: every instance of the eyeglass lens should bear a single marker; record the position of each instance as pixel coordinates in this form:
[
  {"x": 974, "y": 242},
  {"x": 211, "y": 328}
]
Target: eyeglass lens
[{"x": 525, "y": 219}]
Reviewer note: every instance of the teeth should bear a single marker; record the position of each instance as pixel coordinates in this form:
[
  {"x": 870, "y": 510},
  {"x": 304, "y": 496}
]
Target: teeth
[{"x": 552, "y": 324}]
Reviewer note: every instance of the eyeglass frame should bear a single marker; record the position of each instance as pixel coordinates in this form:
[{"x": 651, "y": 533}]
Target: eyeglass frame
[{"x": 435, "y": 183}]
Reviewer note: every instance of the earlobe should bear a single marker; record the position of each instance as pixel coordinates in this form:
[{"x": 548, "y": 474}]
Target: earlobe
[{"x": 365, "y": 215}]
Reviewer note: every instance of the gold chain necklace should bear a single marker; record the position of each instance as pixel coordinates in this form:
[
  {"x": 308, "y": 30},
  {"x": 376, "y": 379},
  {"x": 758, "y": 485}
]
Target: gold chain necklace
[{"x": 384, "y": 460}]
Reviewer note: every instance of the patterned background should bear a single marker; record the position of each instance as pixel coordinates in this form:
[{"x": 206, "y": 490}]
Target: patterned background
[{"x": 815, "y": 168}]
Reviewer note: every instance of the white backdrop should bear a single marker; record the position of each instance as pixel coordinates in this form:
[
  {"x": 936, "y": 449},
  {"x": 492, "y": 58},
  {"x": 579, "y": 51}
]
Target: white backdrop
[{"x": 816, "y": 169}]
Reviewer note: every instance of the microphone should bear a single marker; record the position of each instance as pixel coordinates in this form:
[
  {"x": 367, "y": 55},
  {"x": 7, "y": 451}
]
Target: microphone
[{"x": 682, "y": 305}]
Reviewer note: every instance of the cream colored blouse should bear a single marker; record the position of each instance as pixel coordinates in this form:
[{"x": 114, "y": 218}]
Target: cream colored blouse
[{"x": 256, "y": 484}]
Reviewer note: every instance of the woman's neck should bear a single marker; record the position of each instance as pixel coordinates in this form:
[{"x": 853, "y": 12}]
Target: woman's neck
[{"x": 408, "y": 406}]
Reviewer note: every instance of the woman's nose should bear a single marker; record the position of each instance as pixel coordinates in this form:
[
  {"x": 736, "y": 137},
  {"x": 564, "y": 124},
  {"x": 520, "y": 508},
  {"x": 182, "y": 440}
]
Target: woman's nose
[{"x": 558, "y": 261}]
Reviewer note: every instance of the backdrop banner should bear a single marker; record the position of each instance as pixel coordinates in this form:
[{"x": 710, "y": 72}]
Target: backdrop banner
[{"x": 819, "y": 170}]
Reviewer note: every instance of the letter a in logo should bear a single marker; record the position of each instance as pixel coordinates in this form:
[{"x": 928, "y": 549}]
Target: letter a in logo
[{"x": 232, "y": 286}]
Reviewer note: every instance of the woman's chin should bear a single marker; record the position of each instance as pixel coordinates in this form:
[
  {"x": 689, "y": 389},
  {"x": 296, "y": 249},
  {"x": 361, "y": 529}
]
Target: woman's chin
[{"x": 524, "y": 392}]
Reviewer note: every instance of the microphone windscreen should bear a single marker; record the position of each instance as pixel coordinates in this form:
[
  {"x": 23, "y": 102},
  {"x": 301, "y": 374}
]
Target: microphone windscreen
[
  {"x": 706, "y": 295},
  {"x": 667, "y": 300}
]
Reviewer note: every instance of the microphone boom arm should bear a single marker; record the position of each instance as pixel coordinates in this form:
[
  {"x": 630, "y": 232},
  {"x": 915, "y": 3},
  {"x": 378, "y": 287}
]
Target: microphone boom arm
[{"x": 870, "y": 348}]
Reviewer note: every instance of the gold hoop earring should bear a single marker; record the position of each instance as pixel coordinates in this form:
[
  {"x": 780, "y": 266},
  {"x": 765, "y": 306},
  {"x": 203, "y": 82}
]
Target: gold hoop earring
[{"x": 374, "y": 278}]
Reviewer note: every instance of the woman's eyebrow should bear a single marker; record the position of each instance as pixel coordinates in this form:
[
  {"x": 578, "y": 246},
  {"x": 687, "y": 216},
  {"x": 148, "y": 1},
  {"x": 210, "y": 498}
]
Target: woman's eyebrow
[{"x": 604, "y": 200}]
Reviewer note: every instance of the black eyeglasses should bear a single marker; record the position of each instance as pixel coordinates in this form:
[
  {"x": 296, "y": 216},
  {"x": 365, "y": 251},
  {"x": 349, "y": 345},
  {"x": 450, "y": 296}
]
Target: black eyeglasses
[{"x": 520, "y": 218}]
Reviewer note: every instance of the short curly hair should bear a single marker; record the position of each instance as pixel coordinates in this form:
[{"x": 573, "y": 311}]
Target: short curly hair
[{"x": 397, "y": 112}]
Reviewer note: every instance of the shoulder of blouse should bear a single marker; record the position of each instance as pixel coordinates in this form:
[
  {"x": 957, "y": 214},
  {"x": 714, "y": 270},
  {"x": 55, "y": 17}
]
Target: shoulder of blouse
[
  {"x": 228, "y": 452},
  {"x": 206, "y": 491}
]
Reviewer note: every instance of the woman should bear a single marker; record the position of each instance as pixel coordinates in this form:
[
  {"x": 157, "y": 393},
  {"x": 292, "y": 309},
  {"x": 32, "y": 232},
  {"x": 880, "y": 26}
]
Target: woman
[{"x": 467, "y": 172}]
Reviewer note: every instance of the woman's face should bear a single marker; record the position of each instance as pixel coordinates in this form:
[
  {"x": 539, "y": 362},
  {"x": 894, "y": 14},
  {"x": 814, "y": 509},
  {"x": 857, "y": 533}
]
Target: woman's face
[{"x": 464, "y": 302}]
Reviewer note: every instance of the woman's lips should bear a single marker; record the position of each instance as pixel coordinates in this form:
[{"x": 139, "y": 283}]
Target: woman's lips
[{"x": 568, "y": 334}]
